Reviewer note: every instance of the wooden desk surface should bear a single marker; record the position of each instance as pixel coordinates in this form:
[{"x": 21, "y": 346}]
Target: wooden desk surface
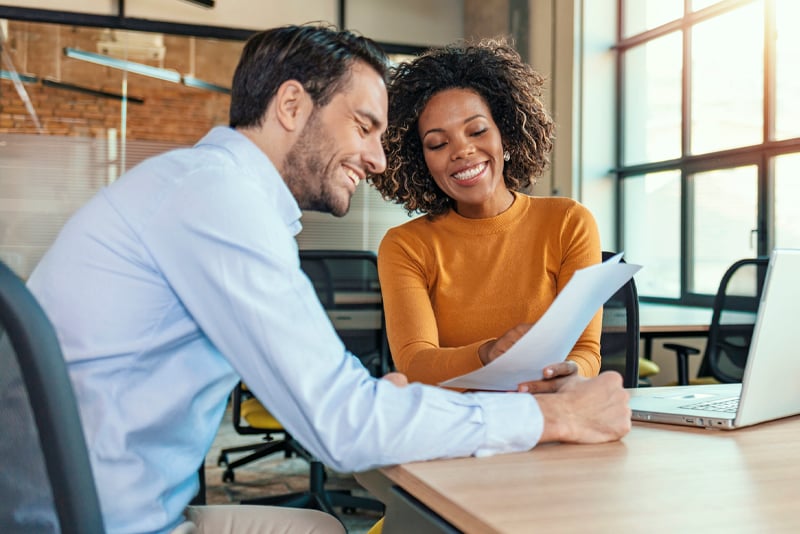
[
  {"x": 657, "y": 479},
  {"x": 672, "y": 319}
]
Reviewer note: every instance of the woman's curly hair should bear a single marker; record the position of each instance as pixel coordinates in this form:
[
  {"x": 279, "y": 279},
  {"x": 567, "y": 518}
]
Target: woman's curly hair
[{"x": 509, "y": 86}]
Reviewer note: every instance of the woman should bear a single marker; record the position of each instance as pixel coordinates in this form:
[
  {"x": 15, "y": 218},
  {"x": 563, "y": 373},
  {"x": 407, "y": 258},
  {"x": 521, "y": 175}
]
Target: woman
[{"x": 467, "y": 135}]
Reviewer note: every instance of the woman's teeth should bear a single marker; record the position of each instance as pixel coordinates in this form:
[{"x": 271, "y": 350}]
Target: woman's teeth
[{"x": 472, "y": 172}]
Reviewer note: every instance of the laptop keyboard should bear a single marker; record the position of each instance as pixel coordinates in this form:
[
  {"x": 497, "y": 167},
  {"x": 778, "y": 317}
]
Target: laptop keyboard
[{"x": 722, "y": 405}]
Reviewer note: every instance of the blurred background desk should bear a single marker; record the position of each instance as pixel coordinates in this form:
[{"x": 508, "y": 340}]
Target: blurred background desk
[
  {"x": 657, "y": 479},
  {"x": 668, "y": 321}
]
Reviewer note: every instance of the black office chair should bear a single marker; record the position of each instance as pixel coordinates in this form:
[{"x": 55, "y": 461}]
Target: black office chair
[
  {"x": 619, "y": 341},
  {"x": 46, "y": 483},
  {"x": 731, "y": 328},
  {"x": 348, "y": 287}
]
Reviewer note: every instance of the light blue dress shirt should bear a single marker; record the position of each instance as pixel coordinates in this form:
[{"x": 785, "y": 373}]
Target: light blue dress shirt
[{"x": 183, "y": 276}]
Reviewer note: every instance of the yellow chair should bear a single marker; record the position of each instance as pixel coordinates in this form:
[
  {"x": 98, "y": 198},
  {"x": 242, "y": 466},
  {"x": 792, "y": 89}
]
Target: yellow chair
[
  {"x": 258, "y": 420},
  {"x": 377, "y": 528},
  {"x": 647, "y": 368},
  {"x": 246, "y": 408}
]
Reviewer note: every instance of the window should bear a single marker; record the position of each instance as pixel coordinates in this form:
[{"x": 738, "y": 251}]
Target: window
[{"x": 708, "y": 156}]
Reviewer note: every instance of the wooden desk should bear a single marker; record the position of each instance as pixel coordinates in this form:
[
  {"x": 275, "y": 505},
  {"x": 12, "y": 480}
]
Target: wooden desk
[
  {"x": 664, "y": 321},
  {"x": 657, "y": 479}
]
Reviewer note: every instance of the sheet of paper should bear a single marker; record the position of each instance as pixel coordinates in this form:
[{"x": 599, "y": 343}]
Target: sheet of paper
[{"x": 554, "y": 335}]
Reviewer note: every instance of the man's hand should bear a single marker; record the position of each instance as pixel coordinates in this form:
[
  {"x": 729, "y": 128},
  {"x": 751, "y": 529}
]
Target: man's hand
[
  {"x": 398, "y": 379},
  {"x": 592, "y": 410}
]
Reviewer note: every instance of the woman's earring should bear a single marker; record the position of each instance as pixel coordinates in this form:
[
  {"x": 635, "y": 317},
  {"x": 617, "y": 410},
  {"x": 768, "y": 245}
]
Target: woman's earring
[{"x": 506, "y": 156}]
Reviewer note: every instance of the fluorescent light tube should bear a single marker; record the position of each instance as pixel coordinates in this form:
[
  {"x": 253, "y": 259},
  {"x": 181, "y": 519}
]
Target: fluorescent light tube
[{"x": 130, "y": 66}]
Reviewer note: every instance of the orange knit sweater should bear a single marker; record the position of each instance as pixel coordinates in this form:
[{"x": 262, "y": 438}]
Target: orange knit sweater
[{"x": 450, "y": 283}]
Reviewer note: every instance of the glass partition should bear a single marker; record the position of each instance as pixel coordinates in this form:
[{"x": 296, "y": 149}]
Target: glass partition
[{"x": 79, "y": 105}]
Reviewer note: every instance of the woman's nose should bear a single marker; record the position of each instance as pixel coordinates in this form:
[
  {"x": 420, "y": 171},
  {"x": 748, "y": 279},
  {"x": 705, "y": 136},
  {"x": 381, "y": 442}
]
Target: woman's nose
[{"x": 462, "y": 149}]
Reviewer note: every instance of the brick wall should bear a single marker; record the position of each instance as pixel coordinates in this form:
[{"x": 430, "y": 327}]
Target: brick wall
[{"x": 170, "y": 112}]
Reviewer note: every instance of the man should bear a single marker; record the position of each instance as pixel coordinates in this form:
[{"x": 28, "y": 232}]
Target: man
[{"x": 184, "y": 275}]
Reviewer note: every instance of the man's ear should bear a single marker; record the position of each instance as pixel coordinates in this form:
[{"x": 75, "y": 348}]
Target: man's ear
[{"x": 293, "y": 105}]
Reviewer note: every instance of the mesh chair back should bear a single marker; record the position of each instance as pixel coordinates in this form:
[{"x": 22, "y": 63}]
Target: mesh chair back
[
  {"x": 347, "y": 284},
  {"x": 733, "y": 319},
  {"x": 619, "y": 340},
  {"x": 46, "y": 482}
]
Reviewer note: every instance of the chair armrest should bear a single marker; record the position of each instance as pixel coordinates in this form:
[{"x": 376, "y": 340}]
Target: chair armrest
[{"x": 682, "y": 353}]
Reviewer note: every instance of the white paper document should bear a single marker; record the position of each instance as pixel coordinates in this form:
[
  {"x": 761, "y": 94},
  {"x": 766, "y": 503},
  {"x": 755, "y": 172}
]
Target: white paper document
[{"x": 553, "y": 336}]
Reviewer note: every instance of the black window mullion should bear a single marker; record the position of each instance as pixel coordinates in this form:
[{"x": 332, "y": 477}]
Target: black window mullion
[
  {"x": 766, "y": 178},
  {"x": 687, "y": 190}
]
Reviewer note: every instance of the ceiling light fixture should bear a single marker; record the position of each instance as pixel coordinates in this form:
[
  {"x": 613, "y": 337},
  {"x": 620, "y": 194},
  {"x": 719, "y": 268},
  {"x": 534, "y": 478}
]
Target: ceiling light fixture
[
  {"x": 24, "y": 78},
  {"x": 191, "y": 81},
  {"x": 168, "y": 75},
  {"x": 122, "y": 64}
]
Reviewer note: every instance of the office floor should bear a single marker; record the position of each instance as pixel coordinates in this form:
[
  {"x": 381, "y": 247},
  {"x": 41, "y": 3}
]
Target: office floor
[{"x": 273, "y": 475}]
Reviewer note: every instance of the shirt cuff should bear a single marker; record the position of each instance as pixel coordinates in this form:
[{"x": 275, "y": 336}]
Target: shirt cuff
[{"x": 513, "y": 422}]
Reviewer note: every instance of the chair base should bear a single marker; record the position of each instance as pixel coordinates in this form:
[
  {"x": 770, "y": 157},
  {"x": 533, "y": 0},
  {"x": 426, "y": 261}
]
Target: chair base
[
  {"x": 318, "y": 498},
  {"x": 260, "y": 450}
]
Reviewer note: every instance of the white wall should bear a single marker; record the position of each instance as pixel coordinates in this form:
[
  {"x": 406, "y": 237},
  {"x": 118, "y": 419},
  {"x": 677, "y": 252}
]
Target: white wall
[
  {"x": 553, "y": 54},
  {"x": 570, "y": 44},
  {"x": 541, "y": 58},
  {"x": 415, "y": 22},
  {"x": 594, "y": 113}
]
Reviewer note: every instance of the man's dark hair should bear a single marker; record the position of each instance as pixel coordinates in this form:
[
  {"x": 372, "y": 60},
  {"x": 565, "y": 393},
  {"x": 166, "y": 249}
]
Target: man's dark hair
[{"x": 319, "y": 57}]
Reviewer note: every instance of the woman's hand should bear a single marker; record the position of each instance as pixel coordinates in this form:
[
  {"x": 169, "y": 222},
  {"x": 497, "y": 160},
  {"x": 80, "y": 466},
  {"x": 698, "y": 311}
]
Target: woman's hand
[
  {"x": 491, "y": 350},
  {"x": 553, "y": 378}
]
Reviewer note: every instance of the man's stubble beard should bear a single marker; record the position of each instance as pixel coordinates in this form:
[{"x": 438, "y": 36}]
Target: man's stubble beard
[{"x": 306, "y": 173}]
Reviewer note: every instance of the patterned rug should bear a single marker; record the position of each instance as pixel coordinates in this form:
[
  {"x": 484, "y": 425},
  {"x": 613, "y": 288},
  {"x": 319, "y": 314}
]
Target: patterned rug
[{"x": 274, "y": 475}]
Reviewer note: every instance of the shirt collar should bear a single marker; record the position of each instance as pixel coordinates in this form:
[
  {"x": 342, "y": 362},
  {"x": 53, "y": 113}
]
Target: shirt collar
[{"x": 252, "y": 158}]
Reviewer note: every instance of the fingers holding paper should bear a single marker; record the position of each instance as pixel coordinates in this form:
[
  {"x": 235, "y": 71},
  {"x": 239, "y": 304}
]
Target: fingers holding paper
[
  {"x": 491, "y": 350},
  {"x": 554, "y": 376}
]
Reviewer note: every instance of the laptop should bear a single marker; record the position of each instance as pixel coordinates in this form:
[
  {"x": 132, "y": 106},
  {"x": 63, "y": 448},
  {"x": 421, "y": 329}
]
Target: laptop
[{"x": 769, "y": 388}]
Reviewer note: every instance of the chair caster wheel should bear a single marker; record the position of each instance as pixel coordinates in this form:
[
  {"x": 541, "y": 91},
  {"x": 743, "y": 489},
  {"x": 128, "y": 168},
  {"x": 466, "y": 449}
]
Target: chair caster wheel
[{"x": 228, "y": 476}]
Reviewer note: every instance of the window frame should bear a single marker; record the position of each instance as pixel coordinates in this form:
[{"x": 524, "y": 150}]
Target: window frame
[{"x": 760, "y": 155}]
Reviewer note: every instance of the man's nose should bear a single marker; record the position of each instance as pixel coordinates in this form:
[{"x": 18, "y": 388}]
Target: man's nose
[{"x": 375, "y": 157}]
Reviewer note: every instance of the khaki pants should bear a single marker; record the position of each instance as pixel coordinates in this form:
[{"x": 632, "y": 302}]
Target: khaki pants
[{"x": 244, "y": 519}]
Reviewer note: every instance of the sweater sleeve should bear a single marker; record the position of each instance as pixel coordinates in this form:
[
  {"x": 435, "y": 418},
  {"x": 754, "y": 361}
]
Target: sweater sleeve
[
  {"x": 432, "y": 281},
  {"x": 411, "y": 325},
  {"x": 581, "y": 246}
]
